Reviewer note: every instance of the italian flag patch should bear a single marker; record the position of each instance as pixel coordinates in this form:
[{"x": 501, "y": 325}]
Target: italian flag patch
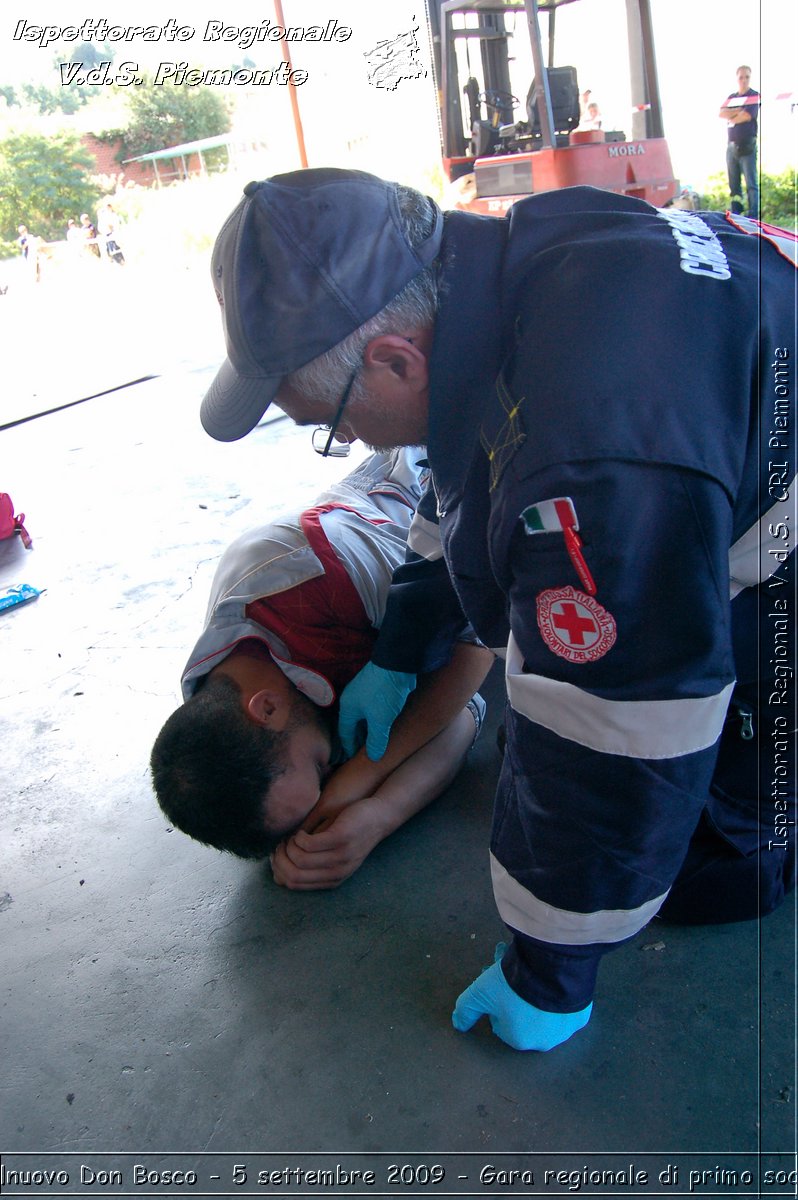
[
  {"x": 550, "y": 516},
  {"x": 559, "y": 516}
]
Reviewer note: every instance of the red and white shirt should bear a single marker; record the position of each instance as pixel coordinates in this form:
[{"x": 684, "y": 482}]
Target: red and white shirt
[{"x": 312, "y": 585}]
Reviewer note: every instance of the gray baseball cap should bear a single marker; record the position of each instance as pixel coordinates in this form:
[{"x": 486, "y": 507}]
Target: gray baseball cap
[{"x": 301, "y": 263}]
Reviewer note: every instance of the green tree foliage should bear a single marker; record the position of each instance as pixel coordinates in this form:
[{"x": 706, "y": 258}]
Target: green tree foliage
[
  {"x": 777, "y": 197},
  {"x": 67, "y": 100},
  {"x": 43, "y": 181},
  {"x": 50, "y": 100},
  {"x": 62, "y": 99},
  {"x": 87, "y": 53},
  {"x": 169, "y": 116}
]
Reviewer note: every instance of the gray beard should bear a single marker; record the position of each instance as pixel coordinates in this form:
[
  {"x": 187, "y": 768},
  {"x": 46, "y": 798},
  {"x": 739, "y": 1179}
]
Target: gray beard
[{"x": 393, "y": 446}]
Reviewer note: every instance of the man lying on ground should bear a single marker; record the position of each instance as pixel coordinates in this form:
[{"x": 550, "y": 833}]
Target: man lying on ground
[{"x": 249, "y": 762}]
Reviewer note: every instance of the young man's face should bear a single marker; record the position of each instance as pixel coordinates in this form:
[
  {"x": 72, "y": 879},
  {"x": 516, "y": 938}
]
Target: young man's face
[
  {"x": 308, "y": 746},
  {"x": 743, "y": 80},
  {"x": 268, "y": 698}
]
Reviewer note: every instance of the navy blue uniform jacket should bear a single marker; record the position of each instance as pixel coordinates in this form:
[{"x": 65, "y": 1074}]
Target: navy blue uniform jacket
[{"x": 616, "y": 512}]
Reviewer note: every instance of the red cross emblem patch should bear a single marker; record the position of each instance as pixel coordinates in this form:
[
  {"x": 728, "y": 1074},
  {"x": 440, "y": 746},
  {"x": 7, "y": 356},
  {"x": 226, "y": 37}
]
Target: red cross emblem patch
[{"x": 574, "y": 625}]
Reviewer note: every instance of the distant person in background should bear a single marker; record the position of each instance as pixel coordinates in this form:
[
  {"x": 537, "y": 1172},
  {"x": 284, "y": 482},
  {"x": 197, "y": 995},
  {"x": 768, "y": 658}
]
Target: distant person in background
[
  {"x": 90, "y": 234},
  {"x": 591, "y": 118},
  {"x": 107, "y": 227},
  {"x": 29, "y": 244},
  {"x": 75, "y": 240},
  {"x": 741, "y": 109}
]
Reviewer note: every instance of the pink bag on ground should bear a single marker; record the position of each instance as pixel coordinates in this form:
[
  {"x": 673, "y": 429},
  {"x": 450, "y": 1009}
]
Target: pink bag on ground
[{"x": 11, "y": 524}]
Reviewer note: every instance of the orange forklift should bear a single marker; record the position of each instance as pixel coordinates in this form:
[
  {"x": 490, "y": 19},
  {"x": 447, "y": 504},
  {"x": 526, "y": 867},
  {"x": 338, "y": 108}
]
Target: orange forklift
[{"x": 497, "y": 148}]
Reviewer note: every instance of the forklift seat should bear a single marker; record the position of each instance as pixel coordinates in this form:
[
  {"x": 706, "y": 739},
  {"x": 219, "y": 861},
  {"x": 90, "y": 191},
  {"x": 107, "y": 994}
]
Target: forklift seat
[{"x": 564, "y": 91}]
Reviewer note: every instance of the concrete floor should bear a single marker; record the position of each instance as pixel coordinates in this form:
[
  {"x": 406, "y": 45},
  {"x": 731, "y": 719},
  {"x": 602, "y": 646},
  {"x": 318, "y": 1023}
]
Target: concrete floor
[{"x": 160, "y": 998}]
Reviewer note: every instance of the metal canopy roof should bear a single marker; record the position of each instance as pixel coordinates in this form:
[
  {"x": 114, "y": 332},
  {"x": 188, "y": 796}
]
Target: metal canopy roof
[
  {"x": 209, "y": 143},
  {"x": 504, "y": 5}
]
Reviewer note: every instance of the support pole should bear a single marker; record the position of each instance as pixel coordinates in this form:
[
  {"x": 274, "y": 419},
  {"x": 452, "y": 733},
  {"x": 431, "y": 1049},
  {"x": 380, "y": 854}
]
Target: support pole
[
  {"x": 543, "y": 97},
  {"x": 300, "y": 136}
]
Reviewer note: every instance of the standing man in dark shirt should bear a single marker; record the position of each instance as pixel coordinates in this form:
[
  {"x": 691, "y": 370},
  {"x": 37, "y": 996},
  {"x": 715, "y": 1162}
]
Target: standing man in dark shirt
[{"x": 741, "y": 109}]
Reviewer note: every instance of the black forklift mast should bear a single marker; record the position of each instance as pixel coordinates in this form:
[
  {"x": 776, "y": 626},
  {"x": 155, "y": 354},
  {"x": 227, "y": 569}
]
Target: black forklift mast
[
  {"x": 543, "y": 91},
  {"x": 647, "y": 119},
  {"x": 491, "y": 35}
]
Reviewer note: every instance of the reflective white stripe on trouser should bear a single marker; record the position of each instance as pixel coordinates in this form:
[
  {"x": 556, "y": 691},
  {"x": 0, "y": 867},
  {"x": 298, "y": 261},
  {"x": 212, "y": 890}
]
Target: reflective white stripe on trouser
[
  {"x": 752, "y": 559},
  {"x": 424, "y": 538},
  {"x": 630, "y": 728},
  {"x": 519, "y": 909}
]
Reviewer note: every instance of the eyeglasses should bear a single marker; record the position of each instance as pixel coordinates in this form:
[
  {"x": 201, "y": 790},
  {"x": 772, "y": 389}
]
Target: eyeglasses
[{"x": 324, "y": 442}]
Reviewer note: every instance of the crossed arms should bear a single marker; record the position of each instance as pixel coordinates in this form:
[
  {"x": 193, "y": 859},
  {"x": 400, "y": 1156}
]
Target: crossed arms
[{"x": 735, "y": 114}]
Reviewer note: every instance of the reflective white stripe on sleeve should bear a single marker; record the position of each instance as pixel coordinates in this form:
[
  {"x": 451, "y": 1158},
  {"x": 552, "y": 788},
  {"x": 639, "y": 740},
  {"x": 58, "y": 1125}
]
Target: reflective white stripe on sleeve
[
  {"x": 752, "y": 559},
  {"x": 785, "y": 242},
  {"x": 631, "y": 728},
  {"x": 521, "y": 910},
  {"x": 424, "y": 538}
]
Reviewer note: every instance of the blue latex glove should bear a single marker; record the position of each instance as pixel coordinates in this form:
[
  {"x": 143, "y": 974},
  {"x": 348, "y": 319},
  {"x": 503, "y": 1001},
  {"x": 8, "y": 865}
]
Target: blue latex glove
[
  {"x": 514, "y": 1020},
  {"x": 374, "y": 698}
]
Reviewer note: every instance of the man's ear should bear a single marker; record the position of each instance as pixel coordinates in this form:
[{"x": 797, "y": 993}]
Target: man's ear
[
  {"x": 399, "y": 356},
  {"x": 267, "y": 708}
]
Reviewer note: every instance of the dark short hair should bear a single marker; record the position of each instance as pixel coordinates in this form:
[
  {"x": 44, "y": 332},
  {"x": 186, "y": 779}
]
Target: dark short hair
[{"x": 212, "y": 769}]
